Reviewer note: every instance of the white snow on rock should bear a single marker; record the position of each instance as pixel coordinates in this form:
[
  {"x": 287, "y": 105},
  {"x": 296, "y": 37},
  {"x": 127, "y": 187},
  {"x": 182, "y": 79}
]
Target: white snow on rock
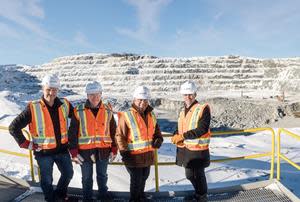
[{"x": 121, "y": 73}]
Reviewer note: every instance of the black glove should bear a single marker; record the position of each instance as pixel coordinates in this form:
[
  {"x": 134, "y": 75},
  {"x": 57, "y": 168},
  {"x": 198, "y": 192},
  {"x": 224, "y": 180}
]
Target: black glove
[
  {"x": 156, "y": 143},
  {"x": 125, "y": 155}
]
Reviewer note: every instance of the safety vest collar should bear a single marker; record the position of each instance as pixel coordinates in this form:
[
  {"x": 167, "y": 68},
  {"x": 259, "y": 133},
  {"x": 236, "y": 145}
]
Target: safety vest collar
[{"x": 57, "y": 102}]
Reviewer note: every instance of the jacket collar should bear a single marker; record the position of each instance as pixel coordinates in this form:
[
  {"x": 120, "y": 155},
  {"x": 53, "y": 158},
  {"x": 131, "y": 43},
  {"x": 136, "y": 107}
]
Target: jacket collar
[
  {"x": 57, "y": 103},
  {"x": 148, "y": 109},
  {"x": 187, "y": 109},
  {"x": 88, "y": 105}
]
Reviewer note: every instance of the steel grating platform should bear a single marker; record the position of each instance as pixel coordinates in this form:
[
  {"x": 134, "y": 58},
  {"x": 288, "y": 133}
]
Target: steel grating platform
[
  {"x": 263, "y": 195},
  {"x": 260, "y": 195},
  {"x": 264, "y": 191}
]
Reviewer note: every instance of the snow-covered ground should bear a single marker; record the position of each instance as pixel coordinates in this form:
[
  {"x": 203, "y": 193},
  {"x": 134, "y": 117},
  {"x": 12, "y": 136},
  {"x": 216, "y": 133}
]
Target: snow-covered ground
[{"x": 172, "y": 177}]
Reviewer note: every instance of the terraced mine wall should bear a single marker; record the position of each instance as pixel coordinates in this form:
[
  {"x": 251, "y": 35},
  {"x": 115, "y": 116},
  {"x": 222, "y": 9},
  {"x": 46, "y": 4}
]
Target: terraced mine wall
[{"x": 121, "y": 73}]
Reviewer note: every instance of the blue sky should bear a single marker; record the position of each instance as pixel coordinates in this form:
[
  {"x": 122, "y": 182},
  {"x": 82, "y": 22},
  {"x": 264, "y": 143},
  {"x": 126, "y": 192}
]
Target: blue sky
[{"x": 37, "y": 31}]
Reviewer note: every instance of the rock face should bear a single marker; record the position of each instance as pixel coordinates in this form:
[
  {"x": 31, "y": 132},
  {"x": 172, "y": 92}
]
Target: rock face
[
  {"x": 121, "y": 73},
  {"x": 232, "y": 113}
]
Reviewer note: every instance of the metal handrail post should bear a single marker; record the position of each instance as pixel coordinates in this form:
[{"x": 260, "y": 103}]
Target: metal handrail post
[
  {"x": 282, "y": 156},
  {"x": 273, "y": 154},
  {"x": 29, "y": 152},
  {"x": 30, "y": 158},
  {"x": 156, "y": 170},
  {"x": 278, "y": 154}
]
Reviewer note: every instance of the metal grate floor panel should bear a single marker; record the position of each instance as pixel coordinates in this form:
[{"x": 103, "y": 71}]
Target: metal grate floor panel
[
  {"x": 263, "y": 191},
  {"x": 259, "y": 195},
  {"x": 255, "y": 195}
]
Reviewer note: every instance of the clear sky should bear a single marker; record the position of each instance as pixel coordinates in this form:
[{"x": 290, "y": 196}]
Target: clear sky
[{"x": 37, "y": 31}]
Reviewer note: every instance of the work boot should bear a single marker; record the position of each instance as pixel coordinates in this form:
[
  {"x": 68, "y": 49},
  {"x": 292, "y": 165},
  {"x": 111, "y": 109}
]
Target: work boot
[
  {"x": 105, "y": 197},
  {"x": 61, "y": 196},
  {"x": 145, "y": 197},
  {"x": 134, "y": 200},
  {"x": 201, "y": 198},
  {"x": 88, "y": 200},
  {"x": 71, "y": 199},
  {"x": 189, "y": 198}
]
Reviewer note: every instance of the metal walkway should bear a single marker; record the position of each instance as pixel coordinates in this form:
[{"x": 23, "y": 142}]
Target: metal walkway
[
  {"x": 261, "y": 195},
  {"x": 264, "y": 191}
]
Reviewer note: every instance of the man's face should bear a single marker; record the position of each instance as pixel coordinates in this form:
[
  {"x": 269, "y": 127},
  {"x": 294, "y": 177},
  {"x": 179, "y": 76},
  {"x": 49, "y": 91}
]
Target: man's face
[
  {"x": 49, "y": 93},
  {"x": 142, "y": 104},
  {"x": 94, "y": 99},
  {"x": 189, "y": 99}
]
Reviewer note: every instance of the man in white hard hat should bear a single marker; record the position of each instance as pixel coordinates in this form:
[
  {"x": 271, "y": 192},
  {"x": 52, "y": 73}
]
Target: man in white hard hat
[
  {"x": 48, "y": 125},
  {"x": 138, "y": 134},
  {"x": 192, "y": 140},
  {"x": 92, "y": 140}
]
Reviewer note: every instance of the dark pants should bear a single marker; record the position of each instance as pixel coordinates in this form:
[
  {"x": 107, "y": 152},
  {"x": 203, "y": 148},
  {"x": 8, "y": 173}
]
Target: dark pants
[
  {"x": 64, "y": 165},
  {"x": 138, "y": 177},
  {"x": 198, "y": 179},
  {"x": 87, "y": 178}
]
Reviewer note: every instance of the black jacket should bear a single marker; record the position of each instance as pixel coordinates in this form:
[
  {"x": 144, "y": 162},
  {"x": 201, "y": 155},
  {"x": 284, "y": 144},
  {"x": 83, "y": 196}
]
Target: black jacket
[
  {"x": 195, "y": 159},
  {"x": 23, "y": 119},
  {"x": 73, "y": 136}
]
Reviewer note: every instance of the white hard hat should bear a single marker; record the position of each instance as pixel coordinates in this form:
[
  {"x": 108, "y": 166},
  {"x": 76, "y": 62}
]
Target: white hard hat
[
  {"x": 51, "y": 81},
  {"x": 93, "y": 88},
  {"x": 142, "y": 92},
  {"x": 188, "y": 87}
]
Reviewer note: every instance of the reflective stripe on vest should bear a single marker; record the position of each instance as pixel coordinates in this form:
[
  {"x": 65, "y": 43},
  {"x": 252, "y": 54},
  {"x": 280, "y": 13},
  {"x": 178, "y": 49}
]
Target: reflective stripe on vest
[
  {"x": 89, "y": 140},
  {"x": 82, "y": 120},
  {"x": 141, "y": 135},
  {"x": 42, "y": 140},
  {"x": 139, "y": 145},
  {"x": 189, "y": 122},
  {"x": 197, "y": 141},
  {"x": 41, "y": 126},
  {"x": 65, "y": 108},
  {"x": 94, "y": 132}
]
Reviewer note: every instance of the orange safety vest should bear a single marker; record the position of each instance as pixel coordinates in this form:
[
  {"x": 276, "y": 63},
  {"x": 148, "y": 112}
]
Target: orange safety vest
[
  {"x": 94, "y": 132},
  {"x": 189, "y": 122},
  {"x": 41, "y": 126},
  {"x": 140, "y": 135}
]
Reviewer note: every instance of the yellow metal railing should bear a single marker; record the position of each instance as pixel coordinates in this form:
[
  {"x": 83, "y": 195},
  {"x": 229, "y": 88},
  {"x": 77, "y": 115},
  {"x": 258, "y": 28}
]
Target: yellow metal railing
[
  {"x": 280, "y": 155},
  {"x": 252, "y": 130},
  {"x": 271, "y": 153},
  {"x": 29, "y": 155}
]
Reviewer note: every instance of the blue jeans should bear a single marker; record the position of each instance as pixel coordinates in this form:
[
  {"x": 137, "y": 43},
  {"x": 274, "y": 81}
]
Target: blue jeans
[
  {"x": 64, "y": 165},
  {"x": 87, "y": 178}
]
